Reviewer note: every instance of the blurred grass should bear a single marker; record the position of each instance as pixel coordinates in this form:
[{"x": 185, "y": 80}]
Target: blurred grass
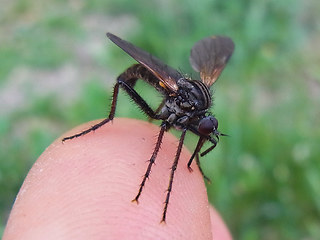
[{"x": 57, "y": 71}]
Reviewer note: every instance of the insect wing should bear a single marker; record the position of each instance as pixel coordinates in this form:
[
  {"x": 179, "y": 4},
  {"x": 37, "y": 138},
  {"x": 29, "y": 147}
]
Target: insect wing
[
  {"x": 167, "y": 75},
  {"x": 209, "y": 57}
]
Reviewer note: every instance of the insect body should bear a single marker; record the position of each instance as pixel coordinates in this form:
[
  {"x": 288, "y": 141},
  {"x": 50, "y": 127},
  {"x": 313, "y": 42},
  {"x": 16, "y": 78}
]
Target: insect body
[{"x": 185, "y": 102}]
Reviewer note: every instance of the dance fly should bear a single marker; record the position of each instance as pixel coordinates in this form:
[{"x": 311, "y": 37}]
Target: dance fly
[{"x": 186, "y": 102}]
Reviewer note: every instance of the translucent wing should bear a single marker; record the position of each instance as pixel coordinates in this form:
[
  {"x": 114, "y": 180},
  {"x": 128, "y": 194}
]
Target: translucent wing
[
  {"x": 167, "y": 75},
  {"x": 209, "y": 56}
]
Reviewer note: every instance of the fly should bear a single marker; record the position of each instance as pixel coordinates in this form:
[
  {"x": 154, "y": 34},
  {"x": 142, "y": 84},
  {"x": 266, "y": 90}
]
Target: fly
[{"x": 186, "y": 102}]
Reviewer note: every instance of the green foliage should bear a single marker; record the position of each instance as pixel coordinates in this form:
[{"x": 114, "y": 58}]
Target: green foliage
[{"x": 266, "y": 175}]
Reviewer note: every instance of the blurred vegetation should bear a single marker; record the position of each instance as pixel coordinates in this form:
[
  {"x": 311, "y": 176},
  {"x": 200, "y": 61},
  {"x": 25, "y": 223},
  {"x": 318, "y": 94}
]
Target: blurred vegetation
[{"x": 57, "y": 69}]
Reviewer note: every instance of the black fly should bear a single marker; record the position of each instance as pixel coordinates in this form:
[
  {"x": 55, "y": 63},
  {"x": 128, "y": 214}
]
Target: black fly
[{"x": 186, "y": 102}]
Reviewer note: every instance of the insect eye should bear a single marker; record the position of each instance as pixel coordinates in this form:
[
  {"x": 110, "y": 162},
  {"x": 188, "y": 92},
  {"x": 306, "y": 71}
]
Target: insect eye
[{"x": 207, "y": 125}]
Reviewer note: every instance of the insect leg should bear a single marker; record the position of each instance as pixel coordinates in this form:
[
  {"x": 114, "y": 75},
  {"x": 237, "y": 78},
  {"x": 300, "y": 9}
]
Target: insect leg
[
  {"x": 158, "y": 109},
  {"x": 128, "y": 79},
  {"x": 196, "y": 151},
  {"x": 152, "y": 159},
  {"x": 138, "y": 99},
  {"x": 104, "y": 121},
  {"x": 199, "y": 166},
  {"x": 196, "y": 155},
  {"x": 173, "y": 168},
  {"x": 210, "y": 148}
]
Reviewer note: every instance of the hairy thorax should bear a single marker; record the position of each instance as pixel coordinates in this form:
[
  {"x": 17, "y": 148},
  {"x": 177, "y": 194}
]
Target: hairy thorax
[{"x": 189, "y": 105}]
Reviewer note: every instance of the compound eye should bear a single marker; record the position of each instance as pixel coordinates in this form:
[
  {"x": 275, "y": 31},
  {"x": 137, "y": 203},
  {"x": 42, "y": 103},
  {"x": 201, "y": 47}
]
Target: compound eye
[{"x": 207, "y": 125}]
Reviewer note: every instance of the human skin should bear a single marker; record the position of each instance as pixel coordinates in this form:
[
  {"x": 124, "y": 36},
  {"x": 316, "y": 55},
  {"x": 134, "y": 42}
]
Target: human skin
[{"x": 82, "y": 189}]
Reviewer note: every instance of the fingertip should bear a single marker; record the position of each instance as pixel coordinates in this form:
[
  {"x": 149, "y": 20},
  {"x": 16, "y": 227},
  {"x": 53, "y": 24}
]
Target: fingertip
[
  {"x": 83, "y": 188},
  {"x": 219, "y": 228}
]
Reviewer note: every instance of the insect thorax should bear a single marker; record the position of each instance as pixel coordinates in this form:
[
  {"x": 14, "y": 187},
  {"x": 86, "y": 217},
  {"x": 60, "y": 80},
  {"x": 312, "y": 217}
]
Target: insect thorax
[{"x": 189, "y": 105}]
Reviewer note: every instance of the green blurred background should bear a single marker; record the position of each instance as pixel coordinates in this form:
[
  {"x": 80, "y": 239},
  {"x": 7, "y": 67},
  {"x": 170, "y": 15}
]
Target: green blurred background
[{"x": 57, "y": 69}]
